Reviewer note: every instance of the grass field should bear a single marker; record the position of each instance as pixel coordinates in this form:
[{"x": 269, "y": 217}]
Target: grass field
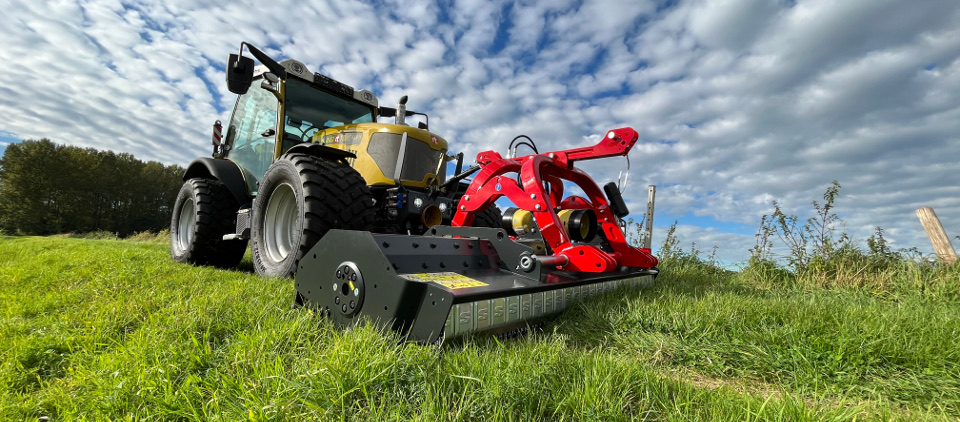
[{"x": 113, "y": 329}]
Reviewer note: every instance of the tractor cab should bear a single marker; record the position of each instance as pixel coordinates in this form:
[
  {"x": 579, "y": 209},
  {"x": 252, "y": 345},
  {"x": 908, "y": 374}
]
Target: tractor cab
[
  {"x": 277, "y": 113},
  {"x": 304, "y": 153}
]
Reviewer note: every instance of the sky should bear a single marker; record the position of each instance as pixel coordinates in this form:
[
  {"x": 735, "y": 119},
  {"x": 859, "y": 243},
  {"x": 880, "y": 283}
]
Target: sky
[{"x": 738, "y": 102}]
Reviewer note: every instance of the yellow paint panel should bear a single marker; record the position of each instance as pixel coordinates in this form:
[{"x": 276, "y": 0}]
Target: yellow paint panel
[{"x": 447, "y": 279}]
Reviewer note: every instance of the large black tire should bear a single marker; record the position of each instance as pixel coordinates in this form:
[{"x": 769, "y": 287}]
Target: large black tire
[
  {"x": 203, "y": 212},
  {"x": 300, "y": 198},
  {"x": 490, "y": 217}
]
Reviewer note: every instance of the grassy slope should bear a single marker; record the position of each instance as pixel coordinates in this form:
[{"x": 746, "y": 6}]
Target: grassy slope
[{"x": 96, "y": 329}]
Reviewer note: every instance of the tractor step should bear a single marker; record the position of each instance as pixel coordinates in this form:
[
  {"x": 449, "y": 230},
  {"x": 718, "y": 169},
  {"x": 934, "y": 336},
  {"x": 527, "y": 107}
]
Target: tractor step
[{"x": 449, "y": 283}]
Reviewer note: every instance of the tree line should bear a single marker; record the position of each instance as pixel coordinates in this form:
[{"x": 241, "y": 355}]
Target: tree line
[{"x": 46, "y": 188}]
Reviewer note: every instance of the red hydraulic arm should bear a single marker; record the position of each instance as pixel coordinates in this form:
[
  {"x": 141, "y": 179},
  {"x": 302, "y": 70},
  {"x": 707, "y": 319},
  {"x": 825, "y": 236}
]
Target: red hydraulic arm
[{"x": 541, "y": 193}]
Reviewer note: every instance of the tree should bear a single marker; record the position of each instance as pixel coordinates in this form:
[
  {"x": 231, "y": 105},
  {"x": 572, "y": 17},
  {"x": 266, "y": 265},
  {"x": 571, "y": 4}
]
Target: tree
[{"x": 47, "y": 188}]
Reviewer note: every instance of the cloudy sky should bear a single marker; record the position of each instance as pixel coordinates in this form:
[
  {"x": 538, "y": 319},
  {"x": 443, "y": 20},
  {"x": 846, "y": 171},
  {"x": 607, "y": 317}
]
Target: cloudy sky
[{"x": 738, "y": 102}]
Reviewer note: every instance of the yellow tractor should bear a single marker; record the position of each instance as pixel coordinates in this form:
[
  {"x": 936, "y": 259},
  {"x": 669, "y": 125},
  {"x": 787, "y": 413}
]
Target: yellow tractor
[{"x": 303, "y": 154}]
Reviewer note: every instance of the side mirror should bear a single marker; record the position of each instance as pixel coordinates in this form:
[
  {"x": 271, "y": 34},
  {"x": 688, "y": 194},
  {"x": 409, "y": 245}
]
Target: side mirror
[{"x": 239, "y": 73}]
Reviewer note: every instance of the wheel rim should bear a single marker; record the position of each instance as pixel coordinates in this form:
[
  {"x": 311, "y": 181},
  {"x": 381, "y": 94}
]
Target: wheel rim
[
  {"x": 186, "y": 224},
  {"x": 279, "y": 222}
]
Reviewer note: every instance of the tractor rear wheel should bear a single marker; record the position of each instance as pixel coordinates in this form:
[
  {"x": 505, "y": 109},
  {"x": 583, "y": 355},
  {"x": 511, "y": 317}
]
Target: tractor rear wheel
[
  {"x": 203, "y": 213},
  {"x": 490, "y": 217},
  {"x": 301, "y": 197}
]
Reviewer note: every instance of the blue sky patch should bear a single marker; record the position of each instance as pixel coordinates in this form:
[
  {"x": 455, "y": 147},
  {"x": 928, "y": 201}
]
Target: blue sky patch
[
  {"x": 7, "y": 138},
  {"x": 212, "y": 89},
  {"x": 706, "y": 221},
  {"x": 503, "y": 30}
]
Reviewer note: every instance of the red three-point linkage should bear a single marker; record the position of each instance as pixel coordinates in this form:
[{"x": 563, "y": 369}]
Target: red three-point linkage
[{"x": 541, "y": 193}]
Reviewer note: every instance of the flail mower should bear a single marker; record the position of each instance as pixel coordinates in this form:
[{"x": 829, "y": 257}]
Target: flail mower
[{"x": 457, "y": 280}]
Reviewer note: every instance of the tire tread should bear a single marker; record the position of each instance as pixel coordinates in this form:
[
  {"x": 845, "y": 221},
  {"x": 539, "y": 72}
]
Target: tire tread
[{"x": 216, "y": 216}]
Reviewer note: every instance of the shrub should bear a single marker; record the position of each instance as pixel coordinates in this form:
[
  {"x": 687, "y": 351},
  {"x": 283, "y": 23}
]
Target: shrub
[{"x": 147, "y": 236}]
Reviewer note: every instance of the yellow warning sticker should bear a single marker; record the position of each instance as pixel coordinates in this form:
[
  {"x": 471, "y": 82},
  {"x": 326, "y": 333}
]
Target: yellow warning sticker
[{"x": 447, "y": 279}]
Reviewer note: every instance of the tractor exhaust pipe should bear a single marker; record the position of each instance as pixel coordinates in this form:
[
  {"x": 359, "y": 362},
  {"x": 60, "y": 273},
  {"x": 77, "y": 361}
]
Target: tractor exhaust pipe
[{"x": 401, "y": 110}]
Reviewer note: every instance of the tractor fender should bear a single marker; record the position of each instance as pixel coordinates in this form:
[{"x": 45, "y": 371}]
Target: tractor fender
[
  {"x": 226, "y": 171},
  {"x": 322, "y": 151}
]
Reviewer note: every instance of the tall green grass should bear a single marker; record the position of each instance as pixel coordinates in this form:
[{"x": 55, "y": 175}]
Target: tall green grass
[
  {"x": 832, "y": 344},
  {"x": 113, "y": 329}
]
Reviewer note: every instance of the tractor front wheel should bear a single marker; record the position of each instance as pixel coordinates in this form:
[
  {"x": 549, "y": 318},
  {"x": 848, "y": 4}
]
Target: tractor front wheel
[
  {"x": 203, "y": 213},
  {"x": 301, "y": 197}
]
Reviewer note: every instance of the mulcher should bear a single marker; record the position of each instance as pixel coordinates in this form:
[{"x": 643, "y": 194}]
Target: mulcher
[{"x": 363, "y": 216}]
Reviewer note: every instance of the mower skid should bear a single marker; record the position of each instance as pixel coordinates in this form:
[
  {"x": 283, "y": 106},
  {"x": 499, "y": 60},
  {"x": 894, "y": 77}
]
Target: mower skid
[{"x": 449, "y": 283}]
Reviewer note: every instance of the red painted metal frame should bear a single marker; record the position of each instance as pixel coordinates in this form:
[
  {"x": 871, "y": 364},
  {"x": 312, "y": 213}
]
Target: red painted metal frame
[{"x": 542, "y": 192}]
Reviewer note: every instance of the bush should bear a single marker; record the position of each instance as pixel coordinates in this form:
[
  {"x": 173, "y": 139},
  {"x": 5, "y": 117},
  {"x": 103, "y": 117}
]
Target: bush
[
  {"x": 819, "y": 254},
  {"x": 146, "y": 236},
  {"x": 97, "y": 235},
  {"x": 822, "y": 255}
]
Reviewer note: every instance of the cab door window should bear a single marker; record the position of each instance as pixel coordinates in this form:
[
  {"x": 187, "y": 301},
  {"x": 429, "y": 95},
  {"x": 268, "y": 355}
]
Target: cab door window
[{"x": 252, "y": 131}]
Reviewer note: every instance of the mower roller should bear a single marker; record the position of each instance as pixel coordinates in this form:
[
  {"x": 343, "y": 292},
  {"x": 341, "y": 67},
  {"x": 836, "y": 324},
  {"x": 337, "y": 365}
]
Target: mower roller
[{"x": 458, "y": 280}]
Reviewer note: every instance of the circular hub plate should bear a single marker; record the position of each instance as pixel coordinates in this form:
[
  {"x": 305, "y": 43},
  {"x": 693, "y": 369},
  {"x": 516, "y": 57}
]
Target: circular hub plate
[
  {"x": 348, "y": 288},
  {"x": 187, "y": 224}
]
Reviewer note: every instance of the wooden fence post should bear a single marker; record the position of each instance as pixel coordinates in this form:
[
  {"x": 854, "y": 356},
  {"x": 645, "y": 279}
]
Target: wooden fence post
[{"x": 941, "y": 243}]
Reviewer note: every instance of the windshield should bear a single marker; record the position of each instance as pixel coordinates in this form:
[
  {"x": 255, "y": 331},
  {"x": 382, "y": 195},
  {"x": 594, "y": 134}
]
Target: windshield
[{"x": 309, "y": 109}]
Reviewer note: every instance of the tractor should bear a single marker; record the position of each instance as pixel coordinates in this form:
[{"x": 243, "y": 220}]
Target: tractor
[
  {"x": 304, "y": 153},
  {"x": 364, "y": 217}
]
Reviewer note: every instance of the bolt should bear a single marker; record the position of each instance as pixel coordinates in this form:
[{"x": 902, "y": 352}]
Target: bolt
[
  {"x": 336, "y": 300},
  {"x": 344, "y": 308},
  {"x": 538, "y": 207},
  {"x": 356, "y": 292},
  {"x": 533, "y": 196},
  {"x": 334, "y": 286},
  {"x": 463, "y": 208},
  {"x": 611, "y": 135}
]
